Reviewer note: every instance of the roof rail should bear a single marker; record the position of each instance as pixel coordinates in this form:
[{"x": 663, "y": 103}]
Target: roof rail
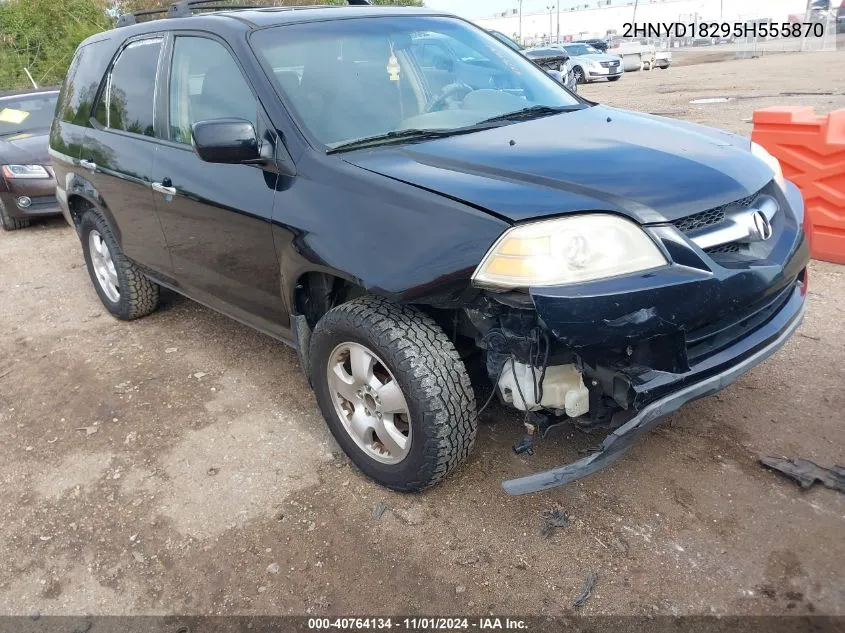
[{"x": 185, "y": 8}]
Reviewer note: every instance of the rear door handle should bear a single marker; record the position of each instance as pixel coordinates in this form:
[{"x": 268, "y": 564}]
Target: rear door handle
[
  {"x": 87, "y": 164},
  {"x": 161, "y": 188}
]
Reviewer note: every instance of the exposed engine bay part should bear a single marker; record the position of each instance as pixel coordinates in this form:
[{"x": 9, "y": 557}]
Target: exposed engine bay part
[
  {"x": 615, "y": 444},
  {"x": 559, "y": 387}
]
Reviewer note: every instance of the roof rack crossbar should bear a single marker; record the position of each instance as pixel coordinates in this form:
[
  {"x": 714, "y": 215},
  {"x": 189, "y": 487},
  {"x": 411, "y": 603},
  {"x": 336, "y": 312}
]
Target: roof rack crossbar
[{"x": 185, "y": 8}]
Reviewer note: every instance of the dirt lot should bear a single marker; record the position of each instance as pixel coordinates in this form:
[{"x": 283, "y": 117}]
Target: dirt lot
[{"x": 178, "y": 464}]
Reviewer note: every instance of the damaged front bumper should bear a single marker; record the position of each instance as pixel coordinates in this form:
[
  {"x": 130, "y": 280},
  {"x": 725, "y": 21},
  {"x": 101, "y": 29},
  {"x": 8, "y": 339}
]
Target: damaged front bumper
[{"x": 710, "y": 375}]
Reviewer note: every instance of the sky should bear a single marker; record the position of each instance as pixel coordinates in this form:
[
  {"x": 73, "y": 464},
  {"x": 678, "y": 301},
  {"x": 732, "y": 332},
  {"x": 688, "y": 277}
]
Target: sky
[{"x": 480, "y": 8}]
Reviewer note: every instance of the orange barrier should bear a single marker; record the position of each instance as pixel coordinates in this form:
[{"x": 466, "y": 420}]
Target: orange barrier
[{"x": 811, "y": 149}]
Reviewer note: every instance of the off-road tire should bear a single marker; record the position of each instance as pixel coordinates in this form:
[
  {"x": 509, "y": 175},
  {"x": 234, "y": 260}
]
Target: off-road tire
[
  {"x": 431, "y": 374},
  {"x": 9, "y": 223},
  {"x": 138, "y": 295}
]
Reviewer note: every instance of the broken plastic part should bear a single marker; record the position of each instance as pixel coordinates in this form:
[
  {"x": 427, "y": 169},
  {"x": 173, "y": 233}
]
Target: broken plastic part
[
  {"x": 525, "y": 445},
  {"x": 615, "y": 444},
  {"x": 807, "y": 473}
]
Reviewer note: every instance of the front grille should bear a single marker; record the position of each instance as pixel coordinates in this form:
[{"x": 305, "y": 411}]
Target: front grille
[
  {"x": 714, "y": 337},
  {"x": 700, "y": 220},
  {"x": 712, "y": 217},
  {"x": 609, "y": 64},
  {"x": 724, "y": 249}
]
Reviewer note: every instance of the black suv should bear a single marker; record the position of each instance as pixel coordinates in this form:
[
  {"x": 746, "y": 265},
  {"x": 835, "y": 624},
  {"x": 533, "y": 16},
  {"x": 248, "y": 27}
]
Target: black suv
[{"x": 304, "y": 172}]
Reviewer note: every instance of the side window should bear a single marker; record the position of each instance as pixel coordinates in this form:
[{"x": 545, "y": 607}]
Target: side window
[
  {"x": 206, "y": 83},
  {"x": 128, "y": 101},
  {"x": 82, "y": 81}
]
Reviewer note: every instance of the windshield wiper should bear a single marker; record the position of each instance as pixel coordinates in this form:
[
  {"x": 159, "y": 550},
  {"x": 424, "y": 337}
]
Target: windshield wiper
[
  {"x": 12, "y": 133},
  {"x": 535, "y": 112},
  {"x": 403, "y": 136}
]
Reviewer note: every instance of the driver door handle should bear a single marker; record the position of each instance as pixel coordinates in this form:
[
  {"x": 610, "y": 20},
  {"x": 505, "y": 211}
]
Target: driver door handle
[
  {"x": 89, "y": 165},
  {"x": 164, "y": 189}
]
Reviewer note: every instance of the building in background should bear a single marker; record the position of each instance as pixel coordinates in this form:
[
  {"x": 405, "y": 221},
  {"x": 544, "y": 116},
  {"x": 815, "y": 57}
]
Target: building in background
[{"x": 601, "y": 18}]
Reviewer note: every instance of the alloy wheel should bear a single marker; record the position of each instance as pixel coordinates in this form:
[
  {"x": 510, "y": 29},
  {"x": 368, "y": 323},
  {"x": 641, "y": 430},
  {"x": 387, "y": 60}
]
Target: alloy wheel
[
  {"x": 369, "y": 403},
  {"x": 104, "y": 270}
]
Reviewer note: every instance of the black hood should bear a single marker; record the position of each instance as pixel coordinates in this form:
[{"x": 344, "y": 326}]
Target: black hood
[
  {"x": 649, "y": 168},
  {"x": 25, "y": 149}
]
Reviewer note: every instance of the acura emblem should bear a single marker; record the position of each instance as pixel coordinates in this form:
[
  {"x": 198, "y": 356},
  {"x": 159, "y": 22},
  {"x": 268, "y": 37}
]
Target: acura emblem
[{"x": 761, "y": 228}]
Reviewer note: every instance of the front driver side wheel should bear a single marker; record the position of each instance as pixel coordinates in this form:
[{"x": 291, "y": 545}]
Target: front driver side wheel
[
  {"x": 124, "y": 290},
  {"x": 394, "y": 392},
  {"x": 9, "y": 223}
]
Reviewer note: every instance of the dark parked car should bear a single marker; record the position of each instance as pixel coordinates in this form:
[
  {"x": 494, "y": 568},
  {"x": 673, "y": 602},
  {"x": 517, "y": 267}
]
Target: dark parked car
[
  {"x": 298, "y": 171},
  {"x": 27, "y": 187}
]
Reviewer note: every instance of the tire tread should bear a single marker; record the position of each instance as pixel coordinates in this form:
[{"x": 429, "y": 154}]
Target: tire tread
[
  {"x": 428, "y": 360},
  {"x": 138, "y": 295}
]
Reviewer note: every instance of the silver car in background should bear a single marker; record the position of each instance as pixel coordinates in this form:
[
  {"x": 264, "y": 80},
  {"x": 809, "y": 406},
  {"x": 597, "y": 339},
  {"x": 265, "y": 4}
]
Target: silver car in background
[
  {"x": 590, "y": 64},
  {"x": 555, "y": 61}
]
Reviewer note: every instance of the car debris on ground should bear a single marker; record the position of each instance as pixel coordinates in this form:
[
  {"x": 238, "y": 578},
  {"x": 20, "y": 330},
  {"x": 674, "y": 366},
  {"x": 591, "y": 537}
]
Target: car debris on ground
[
  {"x": 553, "y": 519},
  {"x": 807, "y": 473},
  {"x": 378, "y": 510},
  {"x": 589, "y": 585}
]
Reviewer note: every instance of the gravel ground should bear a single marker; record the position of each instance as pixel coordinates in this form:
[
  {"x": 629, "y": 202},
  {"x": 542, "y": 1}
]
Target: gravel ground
[{"x": 178, "y": 464}]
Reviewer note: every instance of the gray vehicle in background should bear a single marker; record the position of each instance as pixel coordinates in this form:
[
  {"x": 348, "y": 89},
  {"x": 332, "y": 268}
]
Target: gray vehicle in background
[
  {"x": 555, "y": 61},
  {"x": 590, "y": 64},
  {"x": 27, "y": 185}
]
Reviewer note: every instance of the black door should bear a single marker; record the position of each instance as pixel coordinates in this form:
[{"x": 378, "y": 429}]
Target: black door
[
  {"x": 216, "y": 217},
  {"x": 119, "y": 149}
]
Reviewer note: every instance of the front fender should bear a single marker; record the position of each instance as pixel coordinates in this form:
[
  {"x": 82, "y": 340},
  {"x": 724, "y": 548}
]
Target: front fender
[{"x": 393, "y": 239}]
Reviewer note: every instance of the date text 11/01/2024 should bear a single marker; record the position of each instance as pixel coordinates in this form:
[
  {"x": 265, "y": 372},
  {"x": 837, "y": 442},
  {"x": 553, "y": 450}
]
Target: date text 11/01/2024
[
  {"x": 418, "y": 624},
  {"x": 724, "y": 29}
]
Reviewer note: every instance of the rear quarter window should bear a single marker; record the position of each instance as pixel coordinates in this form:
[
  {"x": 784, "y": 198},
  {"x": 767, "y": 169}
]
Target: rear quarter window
[
  {"x": 128, "y": 101},
  {"x": 82, "y": 82}
]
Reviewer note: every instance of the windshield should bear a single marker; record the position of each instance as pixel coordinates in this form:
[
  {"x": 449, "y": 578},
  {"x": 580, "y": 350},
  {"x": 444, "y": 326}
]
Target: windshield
[
  {"x": 581, "y": 49},
  {"x": 354, "y": 79},
  {"x": 504, "y": 39},
  {"x": 27, "y": 113}
]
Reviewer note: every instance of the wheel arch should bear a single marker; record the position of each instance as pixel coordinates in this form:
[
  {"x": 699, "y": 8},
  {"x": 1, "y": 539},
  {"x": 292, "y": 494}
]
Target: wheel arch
[
  {"x": 316, "y": 292},
  {"x": 79, "y": 201}
]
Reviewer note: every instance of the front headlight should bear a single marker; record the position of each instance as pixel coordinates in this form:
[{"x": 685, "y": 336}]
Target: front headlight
[
  {"x": 24, "y": 171},
  {"x": 567, "y": 250},
  {"x": 760, "y": 152}
]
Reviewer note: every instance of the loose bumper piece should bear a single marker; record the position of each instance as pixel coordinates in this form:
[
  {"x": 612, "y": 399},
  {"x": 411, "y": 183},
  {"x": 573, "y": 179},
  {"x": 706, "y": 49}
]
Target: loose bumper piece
[{"x": 615, "y": 444}]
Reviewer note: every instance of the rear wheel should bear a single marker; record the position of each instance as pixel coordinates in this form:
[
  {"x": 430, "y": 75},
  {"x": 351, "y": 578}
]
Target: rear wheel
[
  {"x": 9, "y": 223},
  {"x": 125, "y": 291},
  {"x": 578, "y": 73},
  {"x": 394, "y": 392}
]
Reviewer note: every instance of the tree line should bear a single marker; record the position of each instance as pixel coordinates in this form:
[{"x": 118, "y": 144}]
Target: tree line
[{"x": 40, "y": 36}]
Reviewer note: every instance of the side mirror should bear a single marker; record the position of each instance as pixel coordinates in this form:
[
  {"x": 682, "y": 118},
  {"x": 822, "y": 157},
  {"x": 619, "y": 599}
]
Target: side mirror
[{"x": 229, "y": 141}]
